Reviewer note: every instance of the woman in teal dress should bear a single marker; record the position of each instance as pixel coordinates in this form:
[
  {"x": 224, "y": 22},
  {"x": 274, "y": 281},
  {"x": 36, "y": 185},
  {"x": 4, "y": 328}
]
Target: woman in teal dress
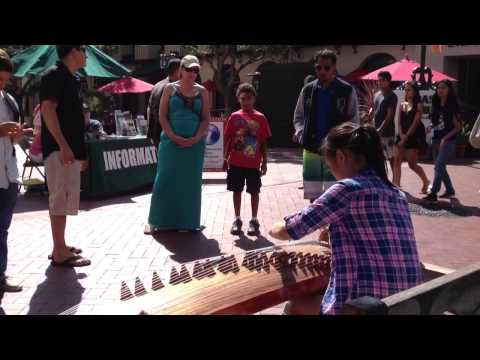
[{"x": 184, "y": 117}]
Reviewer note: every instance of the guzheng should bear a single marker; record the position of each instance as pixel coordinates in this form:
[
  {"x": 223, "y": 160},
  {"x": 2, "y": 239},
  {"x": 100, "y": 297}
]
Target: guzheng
[
  {"x": 242, "y": 283},
  {"x": 235, "y": 284}
]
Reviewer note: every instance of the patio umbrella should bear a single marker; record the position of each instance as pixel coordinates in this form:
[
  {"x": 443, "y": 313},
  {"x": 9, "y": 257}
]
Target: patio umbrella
[
  {"x": 128, "y": 85},
  {"x": 402, "y": 71},
  {"x": 38, "y": 58}
]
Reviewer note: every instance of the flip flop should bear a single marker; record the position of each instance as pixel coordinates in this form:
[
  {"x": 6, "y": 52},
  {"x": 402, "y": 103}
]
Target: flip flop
[
  {"x": 73, "y": 249},
  {"x": 74, "y": 261}
]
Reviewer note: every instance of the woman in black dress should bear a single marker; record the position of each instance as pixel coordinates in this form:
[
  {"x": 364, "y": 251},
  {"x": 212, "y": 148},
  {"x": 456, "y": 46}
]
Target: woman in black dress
[{"x": 412, "y": 137}]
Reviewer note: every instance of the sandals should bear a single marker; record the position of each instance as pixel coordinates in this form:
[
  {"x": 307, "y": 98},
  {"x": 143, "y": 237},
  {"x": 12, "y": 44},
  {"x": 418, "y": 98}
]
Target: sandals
[
  {"x": 73, "y": 249},
  {"x": 74, "y": 261}
]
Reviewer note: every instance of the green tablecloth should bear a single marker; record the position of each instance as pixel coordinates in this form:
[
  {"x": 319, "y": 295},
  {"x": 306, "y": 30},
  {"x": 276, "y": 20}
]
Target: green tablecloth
[{"x": 119, "y": 165}]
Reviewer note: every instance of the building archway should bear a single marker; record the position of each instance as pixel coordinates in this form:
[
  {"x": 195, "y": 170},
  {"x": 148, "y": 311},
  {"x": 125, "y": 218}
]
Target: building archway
[
  {"x": 376, "y": 61},
  {"x": 278, "y": 89},
  {"x": 369, "y": 64}
]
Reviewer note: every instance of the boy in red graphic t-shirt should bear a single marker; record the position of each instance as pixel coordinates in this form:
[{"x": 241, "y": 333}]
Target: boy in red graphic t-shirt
[{"x": 246, "y": 137}]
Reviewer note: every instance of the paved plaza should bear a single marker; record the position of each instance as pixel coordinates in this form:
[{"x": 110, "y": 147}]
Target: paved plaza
[{"x": 110, "y": 231}]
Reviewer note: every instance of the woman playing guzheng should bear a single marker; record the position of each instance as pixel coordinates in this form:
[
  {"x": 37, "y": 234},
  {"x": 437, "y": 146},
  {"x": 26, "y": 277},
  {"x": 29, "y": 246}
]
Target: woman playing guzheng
[{"x": 372, "y": 240}]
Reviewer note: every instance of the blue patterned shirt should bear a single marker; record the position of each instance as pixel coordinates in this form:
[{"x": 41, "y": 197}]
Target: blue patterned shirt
[{"x": 374, "y": 252}]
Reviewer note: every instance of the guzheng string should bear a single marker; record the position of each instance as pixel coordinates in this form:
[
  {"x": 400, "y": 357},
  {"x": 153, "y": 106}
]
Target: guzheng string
[
  {"x": 316, "y": 266},
  {"x": 255, "y": 258},
  {"x": 228, "y": 262},
  {"x": 250, "y": 257}
]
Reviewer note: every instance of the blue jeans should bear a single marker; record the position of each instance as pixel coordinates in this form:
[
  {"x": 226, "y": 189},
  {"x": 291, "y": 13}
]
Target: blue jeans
[
  {"x": 8, "y": 199},
  {"x": 440, "y": 157}
]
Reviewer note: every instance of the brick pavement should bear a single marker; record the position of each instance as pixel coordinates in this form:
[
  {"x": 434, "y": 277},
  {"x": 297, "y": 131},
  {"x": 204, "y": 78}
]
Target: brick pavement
[{"x": 110, "y": 231}]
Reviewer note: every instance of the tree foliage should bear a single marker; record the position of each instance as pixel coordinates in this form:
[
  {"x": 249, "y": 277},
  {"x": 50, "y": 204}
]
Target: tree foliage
[
  {"x": 13, "y": 49},
  {"x": 236, "y": 58}
]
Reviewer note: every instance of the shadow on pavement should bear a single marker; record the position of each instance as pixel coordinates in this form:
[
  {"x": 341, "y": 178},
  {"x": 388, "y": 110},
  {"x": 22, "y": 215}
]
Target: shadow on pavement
[
  {"x": 37, "y": 202},
  {"x": 29, "y": 203},
  {"x": 247, "y": 244},
  {"x": 214, "y": 181},
  {"x": 441, "y": 208},
  {"x": 188, "y": 246},
  {"x": 59, "y": 292},
  {"x": 93, "y": 202},
  {"x": 292, "y": 156},
  {"x": 469, "y": 162}
]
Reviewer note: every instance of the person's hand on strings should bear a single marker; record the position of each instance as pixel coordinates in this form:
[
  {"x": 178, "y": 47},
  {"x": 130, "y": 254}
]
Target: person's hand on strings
[
  {"x": 324, "y": 236},
  {"x": 279, "y": 231}
]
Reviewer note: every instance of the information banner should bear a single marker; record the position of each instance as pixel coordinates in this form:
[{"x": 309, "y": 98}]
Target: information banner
[{"x": 214, "y": 153}]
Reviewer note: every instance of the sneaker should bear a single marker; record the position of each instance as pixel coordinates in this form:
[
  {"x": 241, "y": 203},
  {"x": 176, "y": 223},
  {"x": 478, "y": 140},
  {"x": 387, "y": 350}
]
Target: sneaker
[
  {"x": 425, "y": 189},
  {"x": 236, "y": 227},
  {"x": 430, "y": 197},
  {"x": 447, "y": 194},
  {"x": 253, "y": 227},
  {"x": 7, "y": 286}
]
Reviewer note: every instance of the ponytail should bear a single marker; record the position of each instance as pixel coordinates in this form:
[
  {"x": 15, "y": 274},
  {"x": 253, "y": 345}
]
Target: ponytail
[{"x": 360, "y": 140}]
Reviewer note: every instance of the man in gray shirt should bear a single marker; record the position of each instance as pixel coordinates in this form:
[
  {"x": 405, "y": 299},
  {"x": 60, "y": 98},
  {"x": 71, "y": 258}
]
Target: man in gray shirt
[
  {"x": 384, "y": 107},
  {"x": 154, "y": 129}
]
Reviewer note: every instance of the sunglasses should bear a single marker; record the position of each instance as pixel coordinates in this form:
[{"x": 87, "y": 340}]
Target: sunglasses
[
  {"x": 320, "y": 67},
  {"x": 196, "y": 70}
]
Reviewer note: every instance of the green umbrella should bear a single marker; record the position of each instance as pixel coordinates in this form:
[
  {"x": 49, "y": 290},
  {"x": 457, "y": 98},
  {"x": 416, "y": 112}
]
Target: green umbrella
[{"x": 38, "y": 58}]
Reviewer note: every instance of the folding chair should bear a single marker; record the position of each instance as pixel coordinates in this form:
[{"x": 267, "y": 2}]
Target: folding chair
[{"x": 25, "y": 144}]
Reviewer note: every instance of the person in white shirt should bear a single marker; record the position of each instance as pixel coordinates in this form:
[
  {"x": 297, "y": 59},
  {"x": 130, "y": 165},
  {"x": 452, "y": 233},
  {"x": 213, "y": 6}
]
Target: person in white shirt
[{"x": 10, "y": 132}]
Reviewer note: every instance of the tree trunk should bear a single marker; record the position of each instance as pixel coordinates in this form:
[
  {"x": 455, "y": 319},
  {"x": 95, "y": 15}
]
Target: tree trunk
[{"x": 226, "y": 90}]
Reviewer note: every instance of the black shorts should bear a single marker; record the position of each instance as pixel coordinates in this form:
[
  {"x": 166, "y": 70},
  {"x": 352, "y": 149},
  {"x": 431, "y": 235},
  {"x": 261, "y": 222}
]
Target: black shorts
[{"x": 237, "y": 176}]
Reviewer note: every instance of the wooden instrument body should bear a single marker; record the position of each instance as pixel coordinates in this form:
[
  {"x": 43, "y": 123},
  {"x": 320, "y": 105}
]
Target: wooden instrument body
[{"x": 238, "y": 284}]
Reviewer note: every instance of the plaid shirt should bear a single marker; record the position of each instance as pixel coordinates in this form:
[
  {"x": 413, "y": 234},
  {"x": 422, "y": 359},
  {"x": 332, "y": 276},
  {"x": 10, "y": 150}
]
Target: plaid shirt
[{"x": 371, "y": 233}]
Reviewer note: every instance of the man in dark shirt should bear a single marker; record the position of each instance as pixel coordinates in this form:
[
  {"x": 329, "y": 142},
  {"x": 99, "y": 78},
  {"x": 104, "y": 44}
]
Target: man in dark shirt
[
  {"x": 63, "y": 146},
  {"x": 154, "y": 129},
  {"x": 323, "y": 103},
  {"x": 384, "y": 107}
]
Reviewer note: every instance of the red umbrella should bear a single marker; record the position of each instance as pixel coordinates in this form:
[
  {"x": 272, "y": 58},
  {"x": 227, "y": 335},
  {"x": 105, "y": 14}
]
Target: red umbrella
[
  {"x": 127, "y": 84},
  {"x": 402, "y": 71}
]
